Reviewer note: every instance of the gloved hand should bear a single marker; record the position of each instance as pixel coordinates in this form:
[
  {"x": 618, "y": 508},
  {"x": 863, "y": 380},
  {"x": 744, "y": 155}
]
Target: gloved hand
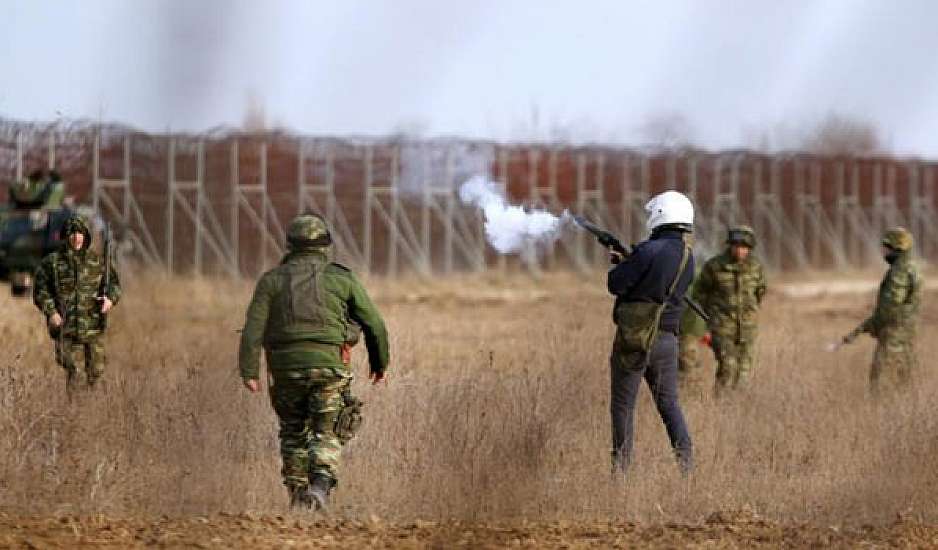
[{"x": 707, "y": 340}]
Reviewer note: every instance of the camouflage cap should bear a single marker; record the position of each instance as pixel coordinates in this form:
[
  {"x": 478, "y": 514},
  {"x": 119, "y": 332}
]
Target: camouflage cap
[
  {"x": 741, "y": 234},
  {"x": 308, "y": 231},
  {"x": 898, "y": 238}
]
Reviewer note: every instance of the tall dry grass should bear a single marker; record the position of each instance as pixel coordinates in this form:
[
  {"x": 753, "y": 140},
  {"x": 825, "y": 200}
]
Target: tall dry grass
[{"x": 496, "y": 408}]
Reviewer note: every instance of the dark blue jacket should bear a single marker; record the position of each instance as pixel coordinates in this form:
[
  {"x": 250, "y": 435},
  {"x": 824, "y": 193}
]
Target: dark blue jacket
[{"x": 647, "y": 274}]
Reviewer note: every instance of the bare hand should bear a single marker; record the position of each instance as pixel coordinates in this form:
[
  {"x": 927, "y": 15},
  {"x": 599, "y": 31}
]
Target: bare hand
[
  {"x": 55, "y": 320},
  {"x": 252, "y": 384},
  {"x": 377, "y": 377},
  {"x": 615, "y": 257},
  {"x": 106, "y": 304},
  {"x": 346, "y": 353}
]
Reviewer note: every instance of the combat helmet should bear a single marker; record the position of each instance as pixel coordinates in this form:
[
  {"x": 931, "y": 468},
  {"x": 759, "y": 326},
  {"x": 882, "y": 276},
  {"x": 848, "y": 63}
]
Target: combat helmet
[
  {"x": 741, "y": 234},
  {"x": 308, "y": 231},
  {"x": 898, "y": 239}
]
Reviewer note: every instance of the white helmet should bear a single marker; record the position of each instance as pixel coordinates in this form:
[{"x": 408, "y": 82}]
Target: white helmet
[{"x": 670, "y": 207}]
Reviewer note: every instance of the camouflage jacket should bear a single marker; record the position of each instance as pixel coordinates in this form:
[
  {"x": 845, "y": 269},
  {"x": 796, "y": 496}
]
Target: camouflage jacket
[
  {"x": 898, "y": 301},
  {"x": 70, "y": 282},
  {"x": 731, "y": 293},
  {"x": 301, "y": 312}
]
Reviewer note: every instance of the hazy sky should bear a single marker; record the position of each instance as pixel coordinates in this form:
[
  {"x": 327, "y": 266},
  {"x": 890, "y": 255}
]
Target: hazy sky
[{"x": 598, "y": 71}]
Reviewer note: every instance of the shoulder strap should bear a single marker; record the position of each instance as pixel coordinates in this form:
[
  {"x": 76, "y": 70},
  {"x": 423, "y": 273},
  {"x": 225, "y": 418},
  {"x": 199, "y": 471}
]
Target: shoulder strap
[{"x": 680, "y": 271}]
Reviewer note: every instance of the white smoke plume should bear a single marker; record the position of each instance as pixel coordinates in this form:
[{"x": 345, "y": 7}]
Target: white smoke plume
[{"x": 509, "y": 228}]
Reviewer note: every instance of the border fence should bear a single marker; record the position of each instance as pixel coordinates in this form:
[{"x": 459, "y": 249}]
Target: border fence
[{"x": 219, "y": 203}]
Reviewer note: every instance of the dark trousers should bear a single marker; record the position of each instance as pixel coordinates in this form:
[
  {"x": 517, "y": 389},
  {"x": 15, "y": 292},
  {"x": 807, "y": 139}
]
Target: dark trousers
[{"x": 659, "y": 369}]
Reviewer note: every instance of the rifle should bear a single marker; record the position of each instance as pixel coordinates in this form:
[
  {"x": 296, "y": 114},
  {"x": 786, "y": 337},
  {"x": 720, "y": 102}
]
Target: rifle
[
  {"x": 612, "y": 242},
  {"x": 106, "y": 281}
]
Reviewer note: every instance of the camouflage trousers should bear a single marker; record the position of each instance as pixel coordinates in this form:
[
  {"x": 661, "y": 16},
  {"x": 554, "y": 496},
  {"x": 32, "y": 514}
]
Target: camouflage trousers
[
  {"x": 307, "y": 403},
  {"x": 688, "y": 357},
  {"x": 735, "y": 360},
  {"x": 91, "y": 351},
  {"x": 894, "y": 358}
]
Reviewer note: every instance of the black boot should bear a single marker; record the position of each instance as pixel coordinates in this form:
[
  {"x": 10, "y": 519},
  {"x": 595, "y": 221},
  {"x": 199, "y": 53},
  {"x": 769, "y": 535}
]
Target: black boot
[
  {"x": 319, "y": 488},
  {"x": 300, "y": 499}
]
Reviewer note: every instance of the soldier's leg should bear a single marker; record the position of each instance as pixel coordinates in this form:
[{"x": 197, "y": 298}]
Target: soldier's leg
[
  {"x": 661, "y": 376},
  {"x": 908, "y": 363},
  {"x": 290, "y": 397},
  {"x": 325, "y": 403},
  {"x": 727, "y": 366},
  {"x": 745, "y": 361},
  {"x": 94, "y": 360},
  {"x": 876, "y": 369},
  {"x": 892, "y": 360},
  {"x": 66, "y": 351},
  {"x": 689, "y": 357},
  {"x": 627, "y": 370}
]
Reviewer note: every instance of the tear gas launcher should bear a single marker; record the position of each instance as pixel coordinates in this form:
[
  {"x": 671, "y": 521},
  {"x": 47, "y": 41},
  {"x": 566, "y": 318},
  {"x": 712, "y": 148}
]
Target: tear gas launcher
[{"x": 613, "y": 243}]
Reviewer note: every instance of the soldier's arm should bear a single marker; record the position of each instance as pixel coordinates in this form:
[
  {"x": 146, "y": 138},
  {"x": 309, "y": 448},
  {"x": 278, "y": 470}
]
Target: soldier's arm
[
  {"x": 43, "y": 287},
  {"x": 761, "y": 286},
  {"x": 363, "y": 311},
  {"x": 252, "y": 335},
  {"x": 114, "y": 291}
]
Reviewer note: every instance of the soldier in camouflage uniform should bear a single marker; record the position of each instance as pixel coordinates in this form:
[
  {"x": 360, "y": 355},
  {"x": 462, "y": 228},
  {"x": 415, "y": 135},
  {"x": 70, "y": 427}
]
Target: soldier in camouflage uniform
[
  {"x": 730, "y": 289},
  {"x": 894, "y": 319},
  {"x": 70, "y": 291},
  {"x": 301, "y": 315}
]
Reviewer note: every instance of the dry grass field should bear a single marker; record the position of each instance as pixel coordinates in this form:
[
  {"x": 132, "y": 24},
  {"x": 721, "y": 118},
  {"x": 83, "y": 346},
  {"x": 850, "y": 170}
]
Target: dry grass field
[{"x": 493, "y": 431}]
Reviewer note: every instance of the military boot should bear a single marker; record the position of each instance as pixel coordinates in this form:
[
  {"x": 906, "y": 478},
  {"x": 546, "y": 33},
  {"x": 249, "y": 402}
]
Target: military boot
[
  {"x": 319, "y": 488},
  {"x": 300, "y": 499}
]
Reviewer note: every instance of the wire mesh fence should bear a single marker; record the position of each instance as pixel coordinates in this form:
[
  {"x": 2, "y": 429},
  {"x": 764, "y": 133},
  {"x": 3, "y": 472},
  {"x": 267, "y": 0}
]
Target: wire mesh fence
[{"x": 218, "y": 203}]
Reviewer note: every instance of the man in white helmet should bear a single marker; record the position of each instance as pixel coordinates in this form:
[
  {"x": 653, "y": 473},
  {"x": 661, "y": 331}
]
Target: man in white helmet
[{"x": 649, "y": 286}]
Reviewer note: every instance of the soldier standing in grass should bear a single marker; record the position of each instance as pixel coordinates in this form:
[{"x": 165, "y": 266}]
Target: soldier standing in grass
[
  {"x": 75, "y": 294},
  {"x": 649, "y": 286},
  {"x": 730, "y": 289},
  {"x": 302, "y": 315},
  {"x": 894, "y": 319}
]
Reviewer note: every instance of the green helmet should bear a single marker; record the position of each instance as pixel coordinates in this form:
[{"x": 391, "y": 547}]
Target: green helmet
[
  {"x": 898, "y": 238},
  {"x": 741, "y": 234},
  {"x": 308, "y": 231}
]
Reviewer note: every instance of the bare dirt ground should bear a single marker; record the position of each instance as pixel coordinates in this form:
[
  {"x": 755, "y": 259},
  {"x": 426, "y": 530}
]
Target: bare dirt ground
[
  {"x": 492, "y": 432},
  {"x": 740, "y": 530}
]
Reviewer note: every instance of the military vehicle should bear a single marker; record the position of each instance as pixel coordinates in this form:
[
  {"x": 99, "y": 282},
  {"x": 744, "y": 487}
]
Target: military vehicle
[{"x": 30, "y": 226}]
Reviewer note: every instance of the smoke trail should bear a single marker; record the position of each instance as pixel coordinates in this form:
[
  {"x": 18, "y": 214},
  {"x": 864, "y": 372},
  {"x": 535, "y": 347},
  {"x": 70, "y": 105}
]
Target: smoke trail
[{"x": 510, "y": 228}]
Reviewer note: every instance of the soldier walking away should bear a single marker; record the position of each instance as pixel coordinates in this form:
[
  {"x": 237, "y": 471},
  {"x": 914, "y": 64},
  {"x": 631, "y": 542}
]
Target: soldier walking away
[
  {"x": 730, "y": 289},
  {"x": 75, "y": 288},
  {"x": 649, "y": 286},
  {"x": 301, "y": 315},
  {"x": 895, "y": 316}
]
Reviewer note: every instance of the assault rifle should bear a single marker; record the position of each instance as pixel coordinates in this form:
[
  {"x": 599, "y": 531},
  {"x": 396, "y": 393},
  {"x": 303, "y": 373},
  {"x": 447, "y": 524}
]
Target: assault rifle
[
  {"x": 106, "y": 281},
  {"x": 612, "y": 242}
]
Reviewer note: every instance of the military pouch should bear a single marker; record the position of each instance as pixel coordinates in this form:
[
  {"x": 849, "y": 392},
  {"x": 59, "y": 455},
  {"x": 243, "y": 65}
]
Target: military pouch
[
  {"x": 349, "y": 420},
  {"x": 637, "y": 324}
]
